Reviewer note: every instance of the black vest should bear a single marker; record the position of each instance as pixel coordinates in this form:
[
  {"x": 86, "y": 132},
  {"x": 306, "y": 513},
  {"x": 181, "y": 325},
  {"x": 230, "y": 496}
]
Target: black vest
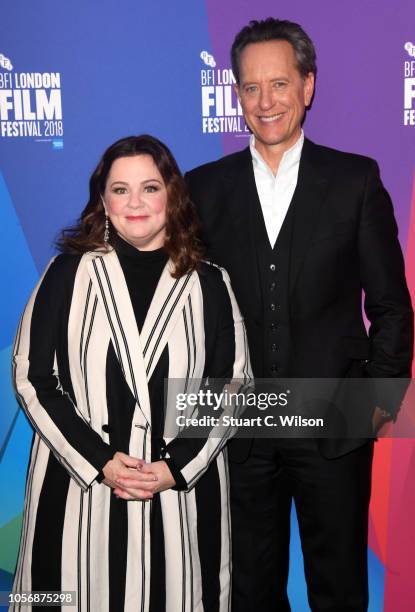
[{"x": 273, "y": 274}]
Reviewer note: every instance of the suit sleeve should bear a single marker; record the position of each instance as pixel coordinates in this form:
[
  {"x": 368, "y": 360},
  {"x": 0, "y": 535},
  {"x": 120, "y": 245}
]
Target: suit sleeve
[
  {"x": 387, "y": 301},
  {"x": 38, "y": 386},
  {"x": 192, "y": 457}
]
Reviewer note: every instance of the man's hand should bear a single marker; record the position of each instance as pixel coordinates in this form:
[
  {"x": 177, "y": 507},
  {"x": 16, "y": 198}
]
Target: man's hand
[
  {"x": 150, "y": 477},
  {"x": 379, "y": 418}
]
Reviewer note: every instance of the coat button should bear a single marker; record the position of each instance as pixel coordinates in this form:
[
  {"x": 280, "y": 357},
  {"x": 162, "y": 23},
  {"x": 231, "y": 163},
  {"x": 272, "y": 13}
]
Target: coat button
[
  {"x": 273, "y": 306},
  {"x": 274, "y": 369},
  {"x": 273, "y": 327},
  {"x": 273, "y": 347},
  {"x": 272, "y": 267},
  {"x": 272, "y": 286}
]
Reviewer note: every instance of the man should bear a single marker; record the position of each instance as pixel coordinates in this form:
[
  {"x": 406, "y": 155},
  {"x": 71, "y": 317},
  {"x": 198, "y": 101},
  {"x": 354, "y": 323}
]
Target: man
[{"x": 301, "y": 230}]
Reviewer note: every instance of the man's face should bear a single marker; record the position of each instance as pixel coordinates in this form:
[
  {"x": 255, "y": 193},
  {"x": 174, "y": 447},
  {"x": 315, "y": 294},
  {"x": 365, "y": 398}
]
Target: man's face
[{"x": 273, "y": 94}]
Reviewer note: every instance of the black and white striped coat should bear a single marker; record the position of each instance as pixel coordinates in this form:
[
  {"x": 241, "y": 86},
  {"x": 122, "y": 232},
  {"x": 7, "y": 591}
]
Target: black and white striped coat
[{"x": 59, "y": 368}]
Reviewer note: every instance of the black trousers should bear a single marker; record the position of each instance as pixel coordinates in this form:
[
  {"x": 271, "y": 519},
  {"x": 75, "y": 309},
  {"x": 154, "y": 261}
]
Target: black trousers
[{"x": 332, "y": 501}]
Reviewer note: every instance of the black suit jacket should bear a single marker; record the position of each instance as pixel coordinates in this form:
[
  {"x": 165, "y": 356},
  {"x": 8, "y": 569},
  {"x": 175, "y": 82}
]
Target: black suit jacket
[{"x": 344, "y": 241}]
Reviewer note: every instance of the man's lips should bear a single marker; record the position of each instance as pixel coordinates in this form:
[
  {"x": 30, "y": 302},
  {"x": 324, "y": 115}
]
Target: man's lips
[{"x": 271, "y": 118}]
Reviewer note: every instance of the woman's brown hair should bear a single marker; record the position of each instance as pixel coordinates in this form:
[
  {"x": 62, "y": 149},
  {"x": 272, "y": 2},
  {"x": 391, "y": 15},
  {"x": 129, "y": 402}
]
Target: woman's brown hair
[{"x": 183, "y": 243}]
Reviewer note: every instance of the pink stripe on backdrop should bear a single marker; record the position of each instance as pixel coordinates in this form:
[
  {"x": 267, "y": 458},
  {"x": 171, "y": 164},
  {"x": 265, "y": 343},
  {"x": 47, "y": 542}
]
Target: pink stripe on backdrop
[
  {"x": 400, "y": 561},
  {"x": 399, "y": 594},
  {"x": 379, "y": 504}
]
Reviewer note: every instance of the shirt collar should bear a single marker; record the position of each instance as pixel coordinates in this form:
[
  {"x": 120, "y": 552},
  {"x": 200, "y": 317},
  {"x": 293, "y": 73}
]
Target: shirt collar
[{"x": 289, "y": 158}]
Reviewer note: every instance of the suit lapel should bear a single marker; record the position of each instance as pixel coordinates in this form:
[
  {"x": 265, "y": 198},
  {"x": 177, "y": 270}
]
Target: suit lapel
[
  {"x": 243, "y": 202},
  {"x": 308, "y": 198}
]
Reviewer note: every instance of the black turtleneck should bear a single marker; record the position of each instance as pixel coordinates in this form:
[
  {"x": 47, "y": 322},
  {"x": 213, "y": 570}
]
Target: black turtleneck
[{"x": 142, "y": 271}]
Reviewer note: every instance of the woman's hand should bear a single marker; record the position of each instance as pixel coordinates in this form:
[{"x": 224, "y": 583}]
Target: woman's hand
[
  {"x": 156, "y": 476},
  {"x": 122, "y": 467}
]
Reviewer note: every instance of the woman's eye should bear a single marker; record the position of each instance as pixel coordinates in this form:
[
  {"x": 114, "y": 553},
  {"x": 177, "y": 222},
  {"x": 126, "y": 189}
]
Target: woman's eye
[
  {"x": 151, "y": 188},
  {"x": 119, "y": 190}
]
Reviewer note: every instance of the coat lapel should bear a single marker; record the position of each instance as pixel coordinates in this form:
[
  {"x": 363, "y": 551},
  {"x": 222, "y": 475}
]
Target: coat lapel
[
  {"x": 138, "y": 354},
  {"x": 308, "y": 198},
  {"x": 166, "y": 306},
  {"x": 114, "y": 298}
]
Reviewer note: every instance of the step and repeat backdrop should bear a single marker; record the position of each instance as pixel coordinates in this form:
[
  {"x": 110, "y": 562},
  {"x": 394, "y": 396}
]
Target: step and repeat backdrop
[{"x": 76, "y": 76}]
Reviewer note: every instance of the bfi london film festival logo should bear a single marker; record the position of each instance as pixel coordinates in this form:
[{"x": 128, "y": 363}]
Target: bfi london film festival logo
[
  {"x": 221, "y": 111},
  {"x": 409, "y": 86},
  {"x": 30, "y": 104}
]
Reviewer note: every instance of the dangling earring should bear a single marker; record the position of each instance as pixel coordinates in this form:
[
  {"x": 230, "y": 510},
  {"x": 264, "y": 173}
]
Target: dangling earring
[{"x": 107, "y": 228}]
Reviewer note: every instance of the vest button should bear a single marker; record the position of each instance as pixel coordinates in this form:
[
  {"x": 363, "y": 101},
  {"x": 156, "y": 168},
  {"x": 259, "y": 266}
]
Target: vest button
[
  {"x": 273, "y": 306},
  {"x": 274, "y": 368},
  {"x": 273, "y": 347},
  {"x": 272, "y": 267},
  {"x": 272, "y": 286},
  {"x": 273, "y": 327}
]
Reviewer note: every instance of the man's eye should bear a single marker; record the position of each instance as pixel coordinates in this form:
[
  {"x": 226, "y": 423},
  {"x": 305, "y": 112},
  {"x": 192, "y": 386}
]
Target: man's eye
[
  {"x": 279, "y": 84},
  {"x": 251, "y": 89}
]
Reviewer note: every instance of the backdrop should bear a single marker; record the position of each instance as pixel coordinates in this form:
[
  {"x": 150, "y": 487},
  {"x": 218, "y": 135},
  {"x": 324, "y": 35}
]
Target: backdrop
[{"x": 76, "y": 76}]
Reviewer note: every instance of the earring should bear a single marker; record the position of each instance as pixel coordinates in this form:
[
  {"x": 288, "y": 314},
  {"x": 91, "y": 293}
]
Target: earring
[{"x": 107, "y": 228}]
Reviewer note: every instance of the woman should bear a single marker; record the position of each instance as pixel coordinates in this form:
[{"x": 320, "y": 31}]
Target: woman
[{"x": 128, "y": 304}]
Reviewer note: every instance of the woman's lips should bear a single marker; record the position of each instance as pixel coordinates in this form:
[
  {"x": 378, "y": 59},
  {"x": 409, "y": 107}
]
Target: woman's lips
[{"x": 137, "y": 218}]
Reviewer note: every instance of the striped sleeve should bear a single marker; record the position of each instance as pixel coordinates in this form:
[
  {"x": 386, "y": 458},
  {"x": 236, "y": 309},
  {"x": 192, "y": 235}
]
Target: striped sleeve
[
  {"x": 38, "y": 385},
  {"x": 231, "y": 361}
]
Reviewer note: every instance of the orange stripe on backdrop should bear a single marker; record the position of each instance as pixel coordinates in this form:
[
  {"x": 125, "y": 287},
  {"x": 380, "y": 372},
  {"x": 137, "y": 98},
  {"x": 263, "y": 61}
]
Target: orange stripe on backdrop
[{"x": 400, "y": 543}]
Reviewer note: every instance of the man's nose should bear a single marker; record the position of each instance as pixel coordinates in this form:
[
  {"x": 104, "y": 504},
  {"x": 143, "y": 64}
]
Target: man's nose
[{"x": 265, "y": 99}]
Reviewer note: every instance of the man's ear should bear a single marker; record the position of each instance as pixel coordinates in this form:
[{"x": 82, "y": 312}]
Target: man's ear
[{"x": 309, "y": 82}]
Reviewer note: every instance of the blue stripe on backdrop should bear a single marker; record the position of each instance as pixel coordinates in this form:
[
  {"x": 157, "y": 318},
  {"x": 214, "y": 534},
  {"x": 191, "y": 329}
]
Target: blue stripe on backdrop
[
  {"x": 125, "y": 68},
  {"x": 13, "y": 468},
  {"x": 297, "y": 590},
  {"x": 18, "y": 274}
]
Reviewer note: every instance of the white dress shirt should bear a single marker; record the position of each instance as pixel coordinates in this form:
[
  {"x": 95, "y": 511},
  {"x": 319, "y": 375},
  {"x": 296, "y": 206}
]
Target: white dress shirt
[{"x": 276, "y": 192}]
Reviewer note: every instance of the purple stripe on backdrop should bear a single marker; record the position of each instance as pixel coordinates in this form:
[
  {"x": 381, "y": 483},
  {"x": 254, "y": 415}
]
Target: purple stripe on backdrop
[
  {"x": 358, "y": 104},
  {"x": 358, "y": 107}
]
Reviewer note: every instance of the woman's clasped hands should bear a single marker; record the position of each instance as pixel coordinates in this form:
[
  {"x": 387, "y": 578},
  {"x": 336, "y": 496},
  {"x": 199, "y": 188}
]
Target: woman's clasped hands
[{"x": 134, "y": 479}]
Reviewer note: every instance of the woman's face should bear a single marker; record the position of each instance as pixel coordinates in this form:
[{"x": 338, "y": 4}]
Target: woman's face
[{"x": 136, "y": 201}]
